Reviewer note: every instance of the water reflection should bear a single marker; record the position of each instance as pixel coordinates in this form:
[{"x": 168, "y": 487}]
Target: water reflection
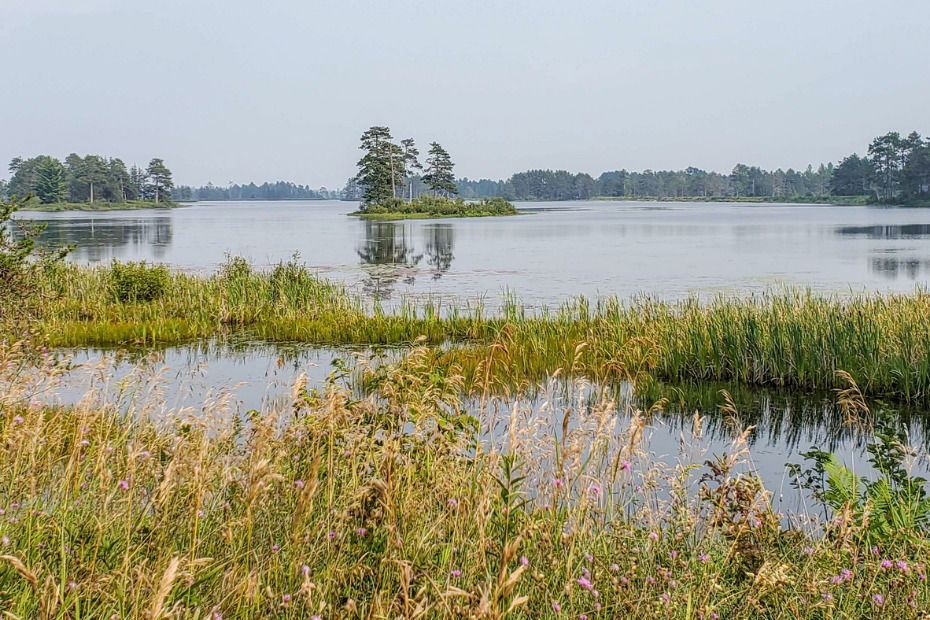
[
  {"x": 894, "y": 268},
  {"x": 904, "y": 231},
  {"x": 389, "y": 253},
  {"x": 99, "y": 239}
]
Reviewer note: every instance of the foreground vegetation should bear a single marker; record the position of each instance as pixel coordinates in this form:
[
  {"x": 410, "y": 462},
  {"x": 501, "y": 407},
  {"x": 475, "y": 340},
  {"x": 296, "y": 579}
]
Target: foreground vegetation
[
  {"x": 790, "y": 339},
  {"x": 432, "y": 207},
  {"x": 402, "y": 505}
]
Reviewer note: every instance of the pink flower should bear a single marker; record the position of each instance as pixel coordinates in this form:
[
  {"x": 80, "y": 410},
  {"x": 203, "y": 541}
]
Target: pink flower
[
  {"x": 557, "y": 483},
  {"x": 615, "y": 567},
  {"x": 286, "y": 598},
  {"x": 556, "y": 607},
  {"x": 361, "y": 531},
  {"x": 123, "y": 484},
  {"x": 524, "y": 560},
  {"x": 703, "y": 558},
  {"x": 304, "y": 570},
  {"x": 585, "y": 583},
  {"x": 809, "y": 550},
  {"x": 886, "y": 564},
  {"x": 453, "y": 502},
  {"x": 456, "y": 573},
  {"x": 595, "y": 490},
  {"x": 275, "y": 547},
  {"x": 625, "y": 466},
  {"x": 299, "y": 484},
  {"x": 18, "y": 419},
  {"x": 654, "y": 535},
  {"x": 879, "y": 599},
  {"x": 902, "y": 565},
  {"x": 331, "y": 535}
]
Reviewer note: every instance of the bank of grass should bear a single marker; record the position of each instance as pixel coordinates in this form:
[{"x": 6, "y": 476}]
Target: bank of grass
[
  {"x": 435, "y": 207},
  {"x": 129, "y": 205},
  {"x": 400, "y": 506},
  {"x": 788, "y": 339}
]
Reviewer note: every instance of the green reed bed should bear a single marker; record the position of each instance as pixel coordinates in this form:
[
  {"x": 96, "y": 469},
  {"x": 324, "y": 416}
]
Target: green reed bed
[
  {"x": 391, "y": 507},
  {"x": 789, "y": 339}
]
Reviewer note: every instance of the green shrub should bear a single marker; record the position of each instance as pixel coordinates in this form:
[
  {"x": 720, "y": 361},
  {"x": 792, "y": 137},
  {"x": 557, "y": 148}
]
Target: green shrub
[{"x": 133, "y": 282}]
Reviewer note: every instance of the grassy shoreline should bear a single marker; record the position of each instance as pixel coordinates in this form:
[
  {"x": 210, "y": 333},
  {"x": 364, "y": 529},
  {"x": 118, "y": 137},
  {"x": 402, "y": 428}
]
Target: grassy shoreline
[
  {"x": 790, "y": 339},
  {"x": 132, "y": 205},
  {"x": 391, "y": 506},
  {"x": 424, "y": 216}
]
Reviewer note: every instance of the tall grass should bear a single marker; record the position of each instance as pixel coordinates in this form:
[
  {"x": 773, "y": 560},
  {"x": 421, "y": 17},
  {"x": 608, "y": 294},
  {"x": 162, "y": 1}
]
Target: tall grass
[
  {"x": 789, "y": 339},
  {"x": 398, "y": 505}
]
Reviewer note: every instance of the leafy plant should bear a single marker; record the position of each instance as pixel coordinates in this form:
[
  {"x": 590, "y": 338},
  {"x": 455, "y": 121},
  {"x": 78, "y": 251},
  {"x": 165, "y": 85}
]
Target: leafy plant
[{"x": 135, "y": 282}]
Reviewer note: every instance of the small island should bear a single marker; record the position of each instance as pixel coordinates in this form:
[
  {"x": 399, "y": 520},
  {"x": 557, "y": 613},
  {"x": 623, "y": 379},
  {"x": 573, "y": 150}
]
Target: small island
[{"x": 387, "y": 180}]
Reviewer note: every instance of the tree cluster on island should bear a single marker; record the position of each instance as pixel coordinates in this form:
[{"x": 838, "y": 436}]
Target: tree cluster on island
[
  {"x": 279, "y": 190},
  {"x": 388, "y": 177},
  {"x": 895, "y": 170},
  {"x": 91, "y": 179}
]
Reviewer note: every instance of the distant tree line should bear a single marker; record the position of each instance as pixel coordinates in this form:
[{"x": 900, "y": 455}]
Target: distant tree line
[
  {"x": 281, "y": 190},
  {"x": 87, "y": 179},
  {"x": 894, "y": 170}
]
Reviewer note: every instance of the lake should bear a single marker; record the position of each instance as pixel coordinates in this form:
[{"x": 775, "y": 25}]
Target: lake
[{"x": 555, "y": 251}]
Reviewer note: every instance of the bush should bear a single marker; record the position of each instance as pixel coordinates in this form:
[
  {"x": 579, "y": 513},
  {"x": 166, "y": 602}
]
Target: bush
[
  {"x": 133, "y": 282},
  {"x": 440, "y": 206}
]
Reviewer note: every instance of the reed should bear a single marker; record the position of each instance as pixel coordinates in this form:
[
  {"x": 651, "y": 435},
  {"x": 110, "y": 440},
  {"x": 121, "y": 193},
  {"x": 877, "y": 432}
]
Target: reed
[
  {"x": 397, "y": 505},
  {"x": 792, "y": 339}
]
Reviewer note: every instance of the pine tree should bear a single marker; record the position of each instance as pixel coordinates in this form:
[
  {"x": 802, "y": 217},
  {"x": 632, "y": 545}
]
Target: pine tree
[
  {"x": 411, "y": 162},
  {"x": 49, "y": 182},
  {"x": 439, "y": 177},
  {"x": 377, "y": 169},
  {"x": 159, "y": 179}
]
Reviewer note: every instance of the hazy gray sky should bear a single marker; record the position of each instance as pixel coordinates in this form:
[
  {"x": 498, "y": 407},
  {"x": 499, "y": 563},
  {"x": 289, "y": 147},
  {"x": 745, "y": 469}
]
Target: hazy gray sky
[{"x": 240, "y": 90}]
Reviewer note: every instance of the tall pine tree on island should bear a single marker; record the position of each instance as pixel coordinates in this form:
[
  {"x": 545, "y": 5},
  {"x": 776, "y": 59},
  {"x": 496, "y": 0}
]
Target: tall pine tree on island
[
  {"x": 380, "y": 167},
  {"x": 159, "y": 180},
  {"x": 439, "y": 177}
]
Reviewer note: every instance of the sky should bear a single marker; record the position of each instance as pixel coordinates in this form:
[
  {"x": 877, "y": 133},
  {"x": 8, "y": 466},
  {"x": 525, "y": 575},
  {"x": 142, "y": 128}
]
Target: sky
[{"x": 239, "y": 90}]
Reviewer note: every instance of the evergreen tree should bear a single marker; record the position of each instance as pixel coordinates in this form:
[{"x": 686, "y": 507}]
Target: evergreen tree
[
  {"x": 49, "y": 184},
  {"x": 411, "y": 163},
  {"x": 439, "y": 177},
  {"x": 159, "y": 180},
  {"x": 377, "y": 170},
  {"x": 93, "y": 174}
]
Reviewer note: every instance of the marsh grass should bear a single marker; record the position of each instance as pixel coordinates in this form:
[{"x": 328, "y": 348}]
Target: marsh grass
[
  {"x": 399, "y": 505},
  {"x": 790, "y": 339}
]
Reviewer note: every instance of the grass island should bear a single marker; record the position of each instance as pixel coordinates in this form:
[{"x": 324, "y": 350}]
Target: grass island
[{"x": 434, "y": 207}]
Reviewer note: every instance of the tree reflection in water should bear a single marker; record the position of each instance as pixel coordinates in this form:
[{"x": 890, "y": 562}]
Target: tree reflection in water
[{"x": 389, "y": 253}]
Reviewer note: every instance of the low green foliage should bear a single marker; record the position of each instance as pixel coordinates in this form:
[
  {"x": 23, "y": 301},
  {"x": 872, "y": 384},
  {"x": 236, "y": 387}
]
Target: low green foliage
[
  {"x": 138, "y": 282},
  {"x": 431, "y": 206}
]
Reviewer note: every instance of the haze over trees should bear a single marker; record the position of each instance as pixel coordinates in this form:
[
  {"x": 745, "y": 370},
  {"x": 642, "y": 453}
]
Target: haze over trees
[
  {"x": 280, "y": 190},
  {"x": 894, "y": 170},
  {"x": 88, "y": 179}
]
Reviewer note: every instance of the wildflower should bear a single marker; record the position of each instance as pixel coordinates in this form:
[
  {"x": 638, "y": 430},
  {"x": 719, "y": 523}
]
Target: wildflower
[
  {"x": 557, "y": 483},
  {"x": 556, "y": 607},
  {"x": 624, "y": 580},
  {"x": 585, "y": 583},
  {"x": 299, "y": 484},
  {"x": 589, "y": 557},
  {"x": 597, "y": 606},
  {"x": 5, "y": 541},
  {"x": 524, "y": 560},
  {"x": 582, "y": 616},
  {"x": 586, "y": 573},
  {"x": 34, "y": 403},
  {"x": 18, "y": 419},
  {"x": 650, "y": 580},
  {"x": 453, "y": 503},
  {"x": 703, "y": 558},
  {"x": 886, "y": 564},
  {"x": 673, "y": 554},
  {"x": 809, "y": 550},
  {"x": 456, "y": 573},
  {"x": 654, "y": 535},
  {"x": 361, "y": 531},
  {"x": 286, "y": 598},
  {"x": 901, "y": 565},
  {"x": 879, "y": 599},
  {"x": 331, "y": 535},
  {"x": 84, "y": 442},
  {"x": 614, "y": 567},
  {"x": 665, "y": 598},
  {"x": 595, "y": 490},
  {"x": 72, "y": 585},
  {"x": 304, "y": 570},
  {"x": 874, "y": 550},
  {"x": 827, "y": 597},
  {"x": 315, "y": 618},
  {"x": 217, "y": 615},
  {"x": 123, "y": 484},
  {"x": 625, "y": 466},
  {"x": 275, "y": 548}
]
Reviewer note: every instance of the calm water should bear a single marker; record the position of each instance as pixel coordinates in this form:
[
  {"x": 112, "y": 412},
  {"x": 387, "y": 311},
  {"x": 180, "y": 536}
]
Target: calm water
[
  {"x": 667, "y": 250},
  {"x": 256, "y": 376},
  {"x": 556, "y": 251}
]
